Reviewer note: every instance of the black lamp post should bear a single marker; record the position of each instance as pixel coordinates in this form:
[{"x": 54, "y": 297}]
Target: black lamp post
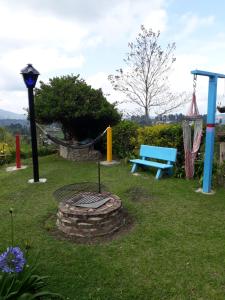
[{"x": 30, "y": 76}]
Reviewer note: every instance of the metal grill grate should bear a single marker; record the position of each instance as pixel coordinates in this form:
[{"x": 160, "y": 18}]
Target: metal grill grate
[
  {"x": 88, "y": 199},
  {"x": 82, "y": 195}
]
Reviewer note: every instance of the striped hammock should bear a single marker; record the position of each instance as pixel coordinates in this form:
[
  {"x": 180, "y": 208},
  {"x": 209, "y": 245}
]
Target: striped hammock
[{"x": 191, "y": 145}]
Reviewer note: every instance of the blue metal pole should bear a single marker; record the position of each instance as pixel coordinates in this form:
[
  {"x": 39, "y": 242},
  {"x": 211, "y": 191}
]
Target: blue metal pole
[
  {"x": 210, "y": 134},
  {"x": 210, "y": 128}
]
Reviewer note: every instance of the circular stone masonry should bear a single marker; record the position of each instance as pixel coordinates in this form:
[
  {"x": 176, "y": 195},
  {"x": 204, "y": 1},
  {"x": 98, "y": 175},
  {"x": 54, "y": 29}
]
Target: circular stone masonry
[
  {"x": 84, "y": 154},
  {"x": 90, "y": 215}
]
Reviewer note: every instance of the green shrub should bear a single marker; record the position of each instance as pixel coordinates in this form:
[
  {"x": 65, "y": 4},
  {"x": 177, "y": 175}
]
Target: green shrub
[
  {"x": 5, "y": 159},
  {"x": 163, "y": 135},
  {"x": 220, "y": 174},
  {"x": 26, "y": 152},
  {"x": 47, "y": 150},
  {"x": 7, "y": 141},
  {"x": 123, "y": 135}
]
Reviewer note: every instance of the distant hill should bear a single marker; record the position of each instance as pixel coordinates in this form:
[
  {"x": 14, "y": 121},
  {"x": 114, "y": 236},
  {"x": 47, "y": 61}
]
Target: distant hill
[
  {"x": 8, "y": 122},
  {"x": 4, "y": 114}
]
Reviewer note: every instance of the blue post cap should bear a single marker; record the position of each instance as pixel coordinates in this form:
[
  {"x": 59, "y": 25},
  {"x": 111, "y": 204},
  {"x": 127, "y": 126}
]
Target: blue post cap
[{"x": 206, "y": 73}]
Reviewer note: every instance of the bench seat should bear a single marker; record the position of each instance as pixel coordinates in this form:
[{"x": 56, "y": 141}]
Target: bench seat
[
  {"x": 149, "y": 163},
  {"x": 166, "y": 155}
]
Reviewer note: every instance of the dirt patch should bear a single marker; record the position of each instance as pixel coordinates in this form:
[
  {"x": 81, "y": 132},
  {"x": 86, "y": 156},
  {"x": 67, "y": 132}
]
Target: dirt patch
[
  {"x": 50, "y": 226},
  {"x": 139, "y": 194}
]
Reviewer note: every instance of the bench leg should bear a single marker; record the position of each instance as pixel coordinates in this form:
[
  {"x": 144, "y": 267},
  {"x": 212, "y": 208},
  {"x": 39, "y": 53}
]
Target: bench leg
[
  {"x": 134, "y": 168},
  {"x": 158, "y": 174}
]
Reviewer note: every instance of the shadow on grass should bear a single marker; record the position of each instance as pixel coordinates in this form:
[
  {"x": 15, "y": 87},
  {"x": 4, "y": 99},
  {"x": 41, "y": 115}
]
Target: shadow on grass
[{"x": 139, "y": 194}]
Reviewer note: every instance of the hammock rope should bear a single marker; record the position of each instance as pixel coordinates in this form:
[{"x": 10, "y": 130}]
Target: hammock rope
[
  {"x": 191, "y": 148},
  {"x": 66, "y": 144},
  {"x": 221, "y": 106}
]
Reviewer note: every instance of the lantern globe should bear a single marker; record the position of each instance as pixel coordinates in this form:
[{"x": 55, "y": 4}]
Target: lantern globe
[{"x": 30, "y": 76}]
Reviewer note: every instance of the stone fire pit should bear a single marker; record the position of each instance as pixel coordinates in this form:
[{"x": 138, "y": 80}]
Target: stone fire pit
[
  {"x": 85, "y": 154},
  {"x": 90, "y": 215}
]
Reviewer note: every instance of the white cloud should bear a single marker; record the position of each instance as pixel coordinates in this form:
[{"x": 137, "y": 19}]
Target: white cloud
[
  {"x": 53, "y": 35},
  {"x": 58, "y": 37},
  {"x": 32, "y": 29},
  {"x": 156, "y": 20},
  {"x": 14, "y": 101},
  {"x": 123, "y": 19},
  {"x": 84, "y": 11},
  {"x": 193, "y": 22},
  {"x": 181, "y": 77},
  {"x": 100, "y": 80},
  {"x": 49, "y": 43},
  {"x": 182, "y": 80},
  {"x": 190, "y": 23},
  {"x": 43, "y": 59},
  {"x": 81, "y": 10}
]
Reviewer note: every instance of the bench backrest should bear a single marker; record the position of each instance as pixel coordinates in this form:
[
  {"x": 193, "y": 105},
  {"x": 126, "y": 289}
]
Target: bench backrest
[{"x": 163, "y": 153}]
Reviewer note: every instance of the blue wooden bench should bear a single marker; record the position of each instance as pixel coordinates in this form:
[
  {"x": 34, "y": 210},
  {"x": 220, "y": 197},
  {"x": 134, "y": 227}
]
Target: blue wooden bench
[{"x": 147, "y": 153}]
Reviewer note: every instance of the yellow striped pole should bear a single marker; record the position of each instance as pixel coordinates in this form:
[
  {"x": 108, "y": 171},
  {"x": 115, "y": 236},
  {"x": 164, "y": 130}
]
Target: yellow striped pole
[{"x": 109, "y": 144}]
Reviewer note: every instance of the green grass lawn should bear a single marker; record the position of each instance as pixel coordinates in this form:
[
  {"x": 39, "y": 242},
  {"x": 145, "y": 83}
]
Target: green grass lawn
[{"x": 175, "y": 250}]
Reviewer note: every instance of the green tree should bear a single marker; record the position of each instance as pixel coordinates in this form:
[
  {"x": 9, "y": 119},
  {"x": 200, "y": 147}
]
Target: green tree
[{"x": 82, "y": 111}]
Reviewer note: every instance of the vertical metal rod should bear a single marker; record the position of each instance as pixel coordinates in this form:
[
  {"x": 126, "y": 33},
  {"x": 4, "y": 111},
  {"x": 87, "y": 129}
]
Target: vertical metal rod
[
  {"x": 12, "y": 227},
  {"x": 33, "y": 135},
  {"x": 99, "y": 178}
]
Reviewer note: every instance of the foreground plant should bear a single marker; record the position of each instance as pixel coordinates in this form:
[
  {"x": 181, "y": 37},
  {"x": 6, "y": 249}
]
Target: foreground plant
[
  {"x": 19, "y": 280},
  {"x": 12, "y": 260}
]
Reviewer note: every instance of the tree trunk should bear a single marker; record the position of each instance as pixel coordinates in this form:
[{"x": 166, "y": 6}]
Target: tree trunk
[{"x": 147, "y": 118}]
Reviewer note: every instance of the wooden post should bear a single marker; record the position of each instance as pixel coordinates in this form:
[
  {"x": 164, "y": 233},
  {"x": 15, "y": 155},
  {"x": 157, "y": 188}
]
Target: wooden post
[
  {"x": 109, "y": 144},
  {"x": 222, "y": 152},
  {"x": 18, "y": 163}
]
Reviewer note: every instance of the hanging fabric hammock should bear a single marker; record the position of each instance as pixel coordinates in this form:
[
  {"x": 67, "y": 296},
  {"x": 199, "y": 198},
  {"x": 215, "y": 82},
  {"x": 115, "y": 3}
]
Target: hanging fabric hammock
[
  {"x": 221, "y": 107},
  {"x": 67, "y": 144},
  {"x": 191, "y": 147}
]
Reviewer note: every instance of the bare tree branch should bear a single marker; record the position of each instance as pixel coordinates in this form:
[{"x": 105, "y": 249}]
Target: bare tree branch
[{"x": 145, "y": 81}]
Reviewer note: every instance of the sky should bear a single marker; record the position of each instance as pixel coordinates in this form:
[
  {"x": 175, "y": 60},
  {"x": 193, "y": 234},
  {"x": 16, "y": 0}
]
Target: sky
[{"x": 90, "y": 38}]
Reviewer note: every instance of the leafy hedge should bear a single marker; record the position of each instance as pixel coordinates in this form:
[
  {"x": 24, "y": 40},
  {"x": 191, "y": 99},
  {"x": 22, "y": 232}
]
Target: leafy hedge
[
  {"x": 128, "y": 137},
  {"x": 123, "y": 135},
  {"x": 162, "y": 135}
]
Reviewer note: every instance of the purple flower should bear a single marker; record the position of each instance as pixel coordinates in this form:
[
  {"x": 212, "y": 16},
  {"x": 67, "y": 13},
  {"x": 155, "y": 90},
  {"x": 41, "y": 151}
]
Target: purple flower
[{"x": 12, "y": 260}]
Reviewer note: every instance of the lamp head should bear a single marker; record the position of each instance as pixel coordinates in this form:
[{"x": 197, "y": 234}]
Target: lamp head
[{"x": 30, "y": 76}]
